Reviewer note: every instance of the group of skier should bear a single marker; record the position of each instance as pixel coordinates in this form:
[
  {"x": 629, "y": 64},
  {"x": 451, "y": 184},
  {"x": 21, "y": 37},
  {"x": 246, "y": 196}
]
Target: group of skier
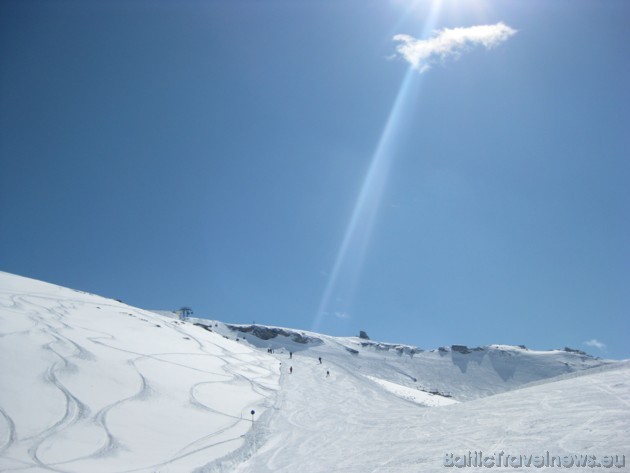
[{"x": 291, "y": 367}]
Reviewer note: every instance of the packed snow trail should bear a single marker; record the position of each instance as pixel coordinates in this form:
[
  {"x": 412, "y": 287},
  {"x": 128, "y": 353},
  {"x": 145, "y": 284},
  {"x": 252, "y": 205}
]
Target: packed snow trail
[{"x": 322, "y": 416}]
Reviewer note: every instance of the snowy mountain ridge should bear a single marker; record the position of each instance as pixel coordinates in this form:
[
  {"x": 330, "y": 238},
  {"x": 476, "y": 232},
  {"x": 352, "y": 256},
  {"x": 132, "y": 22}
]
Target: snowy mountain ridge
[
  {"x": 269, "y": 332},
  {"x": 456, "y": 371}
]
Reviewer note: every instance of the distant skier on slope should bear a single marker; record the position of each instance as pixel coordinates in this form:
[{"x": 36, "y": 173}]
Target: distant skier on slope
[
  {"x": 290, "y": 369},
  {"x": 327, "y": 373},
  {"x": 320, "y": 360},
  {"x": 290, "y": 354}
]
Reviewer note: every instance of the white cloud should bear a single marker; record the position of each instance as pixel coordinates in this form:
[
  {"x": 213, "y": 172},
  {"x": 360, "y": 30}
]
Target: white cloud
[
  {"x": 596, "y": 344},
  {"x": 421, "y": 53},
  {"x": 338, "y": 314}
]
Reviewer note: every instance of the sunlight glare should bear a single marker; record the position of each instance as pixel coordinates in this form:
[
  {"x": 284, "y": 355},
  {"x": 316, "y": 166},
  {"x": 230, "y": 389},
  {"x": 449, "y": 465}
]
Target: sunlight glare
[{"x": 351, "y": 254}]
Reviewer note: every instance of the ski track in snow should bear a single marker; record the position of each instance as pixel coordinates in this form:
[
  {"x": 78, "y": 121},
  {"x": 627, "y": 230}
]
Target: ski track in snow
[
  {"x": 311, "y": 412},
  {"x": 10, "y": 428}
]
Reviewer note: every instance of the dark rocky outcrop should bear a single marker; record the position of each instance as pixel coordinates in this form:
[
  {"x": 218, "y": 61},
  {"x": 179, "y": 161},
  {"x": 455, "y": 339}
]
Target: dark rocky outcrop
[
  {"x": 267, "y": 333},
  {"x": 464, "y": 350},
  {"x": 579, "y": 352},
  {"x": 400, "y": 349},
  {"x": 205, "y": 327}
]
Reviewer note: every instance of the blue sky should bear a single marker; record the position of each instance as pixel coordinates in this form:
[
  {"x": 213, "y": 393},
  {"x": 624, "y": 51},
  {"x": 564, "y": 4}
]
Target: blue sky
[{"x": 284, "y": 162}]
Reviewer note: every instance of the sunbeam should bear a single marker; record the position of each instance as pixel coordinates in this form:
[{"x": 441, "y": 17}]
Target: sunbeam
[{"x": 351, "y": 254}]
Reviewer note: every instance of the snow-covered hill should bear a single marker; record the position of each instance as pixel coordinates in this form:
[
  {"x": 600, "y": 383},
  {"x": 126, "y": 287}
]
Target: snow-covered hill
[{"x": 91, "y": 384}]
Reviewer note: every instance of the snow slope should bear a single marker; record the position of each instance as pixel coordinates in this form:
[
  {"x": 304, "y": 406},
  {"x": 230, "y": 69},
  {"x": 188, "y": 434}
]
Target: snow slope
[
  {"x": 342, "y": 424},
  {"x": 91, "y": 384},
  {"x": 357, "y": 421}
]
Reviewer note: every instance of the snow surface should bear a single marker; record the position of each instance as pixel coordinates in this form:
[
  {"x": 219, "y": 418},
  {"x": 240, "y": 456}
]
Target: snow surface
[
  {"x": 415, "y": 395},
  {"x": 90, "y": 384}
]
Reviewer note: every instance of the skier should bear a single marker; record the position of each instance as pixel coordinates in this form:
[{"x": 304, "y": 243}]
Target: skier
[
  {"x": 290, "y": 354},
  {"x": 327, "y": 373},
  {"x": 320, "y": 360},
  {"x": 290, "y": 369}
]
